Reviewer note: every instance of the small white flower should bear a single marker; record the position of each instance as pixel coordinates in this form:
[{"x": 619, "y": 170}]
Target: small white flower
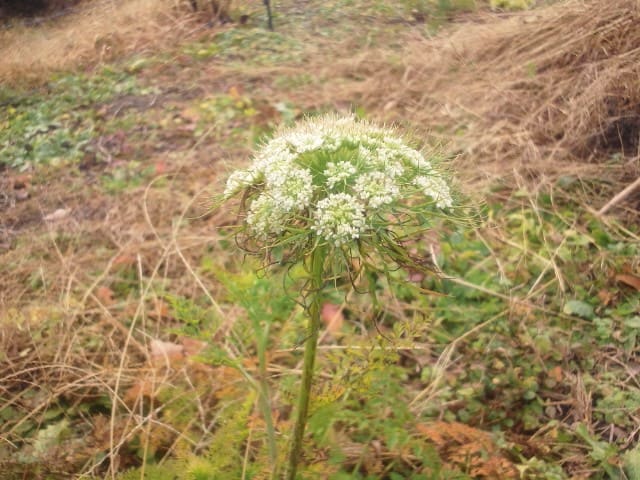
[
  {"x": 305, "y": 141},
  {"x": 351, "y": 139},
  {"x": 372, "y": 140},
  {"x": 339, "y": 218},
  {"x": 436, "y": 188},
  {"x": 390, "y": 162},
  {"x": 265, "y": 217},
  {"x": 276, "y": 172},
  {"x": 338, "y": 172},
  {"x": 294, "y": 190},
  {"x": 273, "y": 164},
  {"x": 416, "y": 159},
  {"x": 331, "y": 142},
  {"x": 393, "y": 169},
  {"x": 366, "y": 154},
  {"x": 275, "y": 151},
  {"x": 239, "y": 180},
  {"x": 376, "y": 189},
  {"x": 393, "y": 142}
]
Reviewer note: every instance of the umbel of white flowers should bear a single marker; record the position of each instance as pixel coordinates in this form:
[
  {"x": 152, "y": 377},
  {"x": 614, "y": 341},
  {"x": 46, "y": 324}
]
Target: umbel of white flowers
[{"x": 338, "y": 179}]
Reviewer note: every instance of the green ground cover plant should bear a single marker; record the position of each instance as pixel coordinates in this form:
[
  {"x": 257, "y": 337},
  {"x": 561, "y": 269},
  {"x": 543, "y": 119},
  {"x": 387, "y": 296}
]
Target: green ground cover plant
[{"x": 56, "y": 125}]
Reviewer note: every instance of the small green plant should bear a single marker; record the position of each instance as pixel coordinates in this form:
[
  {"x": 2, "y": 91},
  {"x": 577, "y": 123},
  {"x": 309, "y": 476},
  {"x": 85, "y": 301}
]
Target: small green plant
[
  {"x": 511, "y": 4},
  {"x": 342, "y": 198},
  {"x": 56, "y": 127},
  {"x": 129, "y": 175},
  {"x": 252, "y": 45},
  {"x": 437, "y": 8}
]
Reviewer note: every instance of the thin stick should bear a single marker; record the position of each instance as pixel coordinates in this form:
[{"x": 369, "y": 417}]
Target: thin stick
[{"x": 620, "y": 196}]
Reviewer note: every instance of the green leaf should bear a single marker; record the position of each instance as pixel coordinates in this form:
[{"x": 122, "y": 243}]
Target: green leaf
[
  {"x": 579, "y": 309},
  {"x": 631, "y": 463},
  {"x": 49, "y": 437},
  {"x": 632, "y": 322}
]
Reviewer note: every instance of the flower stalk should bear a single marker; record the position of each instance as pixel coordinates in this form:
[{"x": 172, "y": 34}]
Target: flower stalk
[{"x": 315, "y": 287}]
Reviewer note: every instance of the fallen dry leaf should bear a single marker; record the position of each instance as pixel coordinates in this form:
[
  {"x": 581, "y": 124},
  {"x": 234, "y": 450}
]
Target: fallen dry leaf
[
  {"x": 145, "y": 387},
  {"x": 235, "y": 92},
  {"x": 556, "y": 373},
  {"x": 470, "y": 447},
  {"x": 160, "y": 167},
  {"x": 332, "y": 317},
  {"x": 59, "y": 214},
  {"x": 160, "y": 309},
  {"x": 165, "y": 352},
  {"x": 192, "y": 346},
  {"x": 414, "y": 276},
  {"x": 630, "y": 280},
  {"x": 105, "y": 295},
  {"x": 606, "y": 297}
]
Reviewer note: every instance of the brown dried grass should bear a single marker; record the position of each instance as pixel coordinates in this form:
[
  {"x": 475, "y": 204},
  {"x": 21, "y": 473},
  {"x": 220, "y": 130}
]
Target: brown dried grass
[
  {"x": 546, "y": 92},
  {"x": 94, "y": 32},
  {"x": 72, "y": 339}
]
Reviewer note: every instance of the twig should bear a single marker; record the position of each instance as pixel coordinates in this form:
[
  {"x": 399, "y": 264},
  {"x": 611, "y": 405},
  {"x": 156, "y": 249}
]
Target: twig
[{"x": 620, "y": 196}]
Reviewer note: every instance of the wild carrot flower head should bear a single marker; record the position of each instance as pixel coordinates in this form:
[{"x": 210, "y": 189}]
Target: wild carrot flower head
[{"x": 340, "y": 183}]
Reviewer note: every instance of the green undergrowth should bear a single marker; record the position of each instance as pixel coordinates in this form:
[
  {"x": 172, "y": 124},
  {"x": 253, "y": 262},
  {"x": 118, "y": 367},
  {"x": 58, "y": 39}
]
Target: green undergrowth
[
  {"x": 55, "y": 124},
  {"x": 253, "y": 46}
]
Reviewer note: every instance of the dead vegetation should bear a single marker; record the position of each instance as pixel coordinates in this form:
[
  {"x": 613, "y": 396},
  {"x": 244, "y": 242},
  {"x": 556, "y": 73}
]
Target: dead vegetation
[
  {"x": 93, "y": 33},
  {"x": 545, "y": 92},
  {"x": 81, "y": 322}
]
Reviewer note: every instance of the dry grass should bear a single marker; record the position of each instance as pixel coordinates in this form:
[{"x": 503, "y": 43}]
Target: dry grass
[
  {"x": 94, "y": 32},
  {"x": 546, "y": 92},
  {"x": 62, "y": 286}
]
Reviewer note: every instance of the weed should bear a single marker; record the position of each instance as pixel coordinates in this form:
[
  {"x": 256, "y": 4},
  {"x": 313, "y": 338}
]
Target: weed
[
  {"x": 57, "y": 126},
  {"x": 511, "y": 4},
  {"x": 438, "y": 8},
  {"x": 323, "y": 196},
  {"x": 254, "y": 46}
]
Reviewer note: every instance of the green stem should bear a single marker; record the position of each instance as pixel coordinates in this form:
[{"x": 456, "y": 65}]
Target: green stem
[{"x": 315, "y": 287}]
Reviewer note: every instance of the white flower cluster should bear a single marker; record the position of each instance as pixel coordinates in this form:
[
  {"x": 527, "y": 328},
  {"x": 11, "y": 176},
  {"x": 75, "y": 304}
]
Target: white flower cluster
[
  {"x": 328, "y": 175},
  {"x": 435, "y": 187},
  {"x": 339, "y": 172},
  {"x": 339, "y": 218},
  {"x": 239, "y": 180},
  {"x": 376, "y": 188}
]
